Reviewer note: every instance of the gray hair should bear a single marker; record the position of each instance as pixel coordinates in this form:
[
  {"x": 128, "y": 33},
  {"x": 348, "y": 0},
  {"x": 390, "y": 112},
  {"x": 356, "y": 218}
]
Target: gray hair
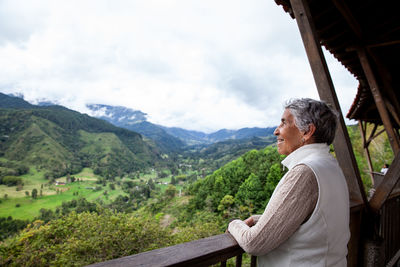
[{"x": 308, "y": 111}]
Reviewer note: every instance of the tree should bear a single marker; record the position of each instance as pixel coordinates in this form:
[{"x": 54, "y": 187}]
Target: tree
[
  {"x": 170, "y": 191},
  {"x": 274, "y": 176},
  {"x": 76, "y": 237},
  {"x": 226, "y": 205},
  {"x": 251, "y": 193},
  {"x": 173, "y": 180},
  {"x": 162, "y": 174},
  {"x": 34, "y": 193},
  {"x": 12, "y": 180},
  {"x": 151, "y": 184}
]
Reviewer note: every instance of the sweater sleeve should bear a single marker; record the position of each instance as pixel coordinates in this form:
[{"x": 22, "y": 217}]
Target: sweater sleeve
[{"x": 290, "y": 205}]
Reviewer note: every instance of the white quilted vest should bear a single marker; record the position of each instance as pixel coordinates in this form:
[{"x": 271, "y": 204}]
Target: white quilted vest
[{"x": 322, "y": 239}]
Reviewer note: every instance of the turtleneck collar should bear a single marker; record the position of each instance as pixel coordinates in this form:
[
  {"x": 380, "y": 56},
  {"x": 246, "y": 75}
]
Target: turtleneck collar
[{"x": 293, "y": 158}]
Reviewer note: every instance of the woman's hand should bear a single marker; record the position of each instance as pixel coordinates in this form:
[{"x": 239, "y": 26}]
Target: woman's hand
[{"x": 249, "y": 221}]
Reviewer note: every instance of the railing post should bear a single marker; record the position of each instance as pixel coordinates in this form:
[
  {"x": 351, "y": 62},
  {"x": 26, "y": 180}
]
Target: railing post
[
  {"x": 239, "y": 260},
  {"x": 253, "y": 262}
]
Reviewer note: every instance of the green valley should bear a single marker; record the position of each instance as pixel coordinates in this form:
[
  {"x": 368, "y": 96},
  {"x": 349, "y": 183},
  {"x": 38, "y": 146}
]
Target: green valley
[{"x": 72, "y": 185}]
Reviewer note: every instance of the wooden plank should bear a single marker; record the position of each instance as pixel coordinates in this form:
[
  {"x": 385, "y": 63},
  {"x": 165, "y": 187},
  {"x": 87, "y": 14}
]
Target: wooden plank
[
  {"x": 323, "y": 81},
  {"x": 390, "y": 180},
  {"x": 202, "y": 252},
  {"x": 380, "y": 104}
]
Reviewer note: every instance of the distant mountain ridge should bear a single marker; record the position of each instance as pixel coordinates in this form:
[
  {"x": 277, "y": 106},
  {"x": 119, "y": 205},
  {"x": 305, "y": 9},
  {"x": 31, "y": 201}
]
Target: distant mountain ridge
[
  {"x": 136, "y": 120},
  {"x": 117, "y": 114}
]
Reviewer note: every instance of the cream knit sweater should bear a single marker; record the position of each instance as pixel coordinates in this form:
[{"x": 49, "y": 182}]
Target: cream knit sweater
[{"x": 290, "y": 206}]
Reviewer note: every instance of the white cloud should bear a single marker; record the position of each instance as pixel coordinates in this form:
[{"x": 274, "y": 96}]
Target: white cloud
[{"x": 200, "y": 65}]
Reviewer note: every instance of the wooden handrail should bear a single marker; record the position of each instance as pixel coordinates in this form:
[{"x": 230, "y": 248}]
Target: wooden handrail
[
  {"x": 202, "y": 252},
  {"x": 220, "y": 248}
]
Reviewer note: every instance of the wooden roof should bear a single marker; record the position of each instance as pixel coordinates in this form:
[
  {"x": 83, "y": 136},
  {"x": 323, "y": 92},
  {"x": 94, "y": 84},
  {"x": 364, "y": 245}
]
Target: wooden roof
[{"x": 345, "y": 26}]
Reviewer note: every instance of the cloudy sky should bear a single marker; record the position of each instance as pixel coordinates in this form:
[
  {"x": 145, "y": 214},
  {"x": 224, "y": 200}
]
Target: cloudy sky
[{"x": 201, "y": 65}]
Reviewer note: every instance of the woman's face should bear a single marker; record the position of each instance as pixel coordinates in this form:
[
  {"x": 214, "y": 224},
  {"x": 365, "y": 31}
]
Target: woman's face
[{"x": 289, "y": 137}]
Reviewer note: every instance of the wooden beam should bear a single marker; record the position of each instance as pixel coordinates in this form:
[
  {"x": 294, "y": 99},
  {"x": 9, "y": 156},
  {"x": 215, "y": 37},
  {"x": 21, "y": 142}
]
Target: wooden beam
[
  {"x": 380, "y": 104},
  {"x": 347, "y": 14},
  {"x": 323, "y": 81},
  {"x": 393, "y": 112},
  {"x": 371, "y": 136},
  {"x": 376, "y": 135},
  {"x": 363, "y": 131},
  {"x": 343, "y": 8},
  {"x": 395, "y": 258},
  {"x": 395, "y": 42},
  {"x": 390, "y": 180}
]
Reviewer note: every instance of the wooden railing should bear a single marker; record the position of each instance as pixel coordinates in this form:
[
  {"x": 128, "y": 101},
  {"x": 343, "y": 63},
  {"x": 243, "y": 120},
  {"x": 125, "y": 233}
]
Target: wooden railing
[
  {"x": 218, "y": 249},
  {"x": 202, "y": 252}
]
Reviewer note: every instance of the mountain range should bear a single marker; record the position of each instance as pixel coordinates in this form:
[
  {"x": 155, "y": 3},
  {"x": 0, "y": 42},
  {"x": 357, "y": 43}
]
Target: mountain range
[
  {"x": 118, "y": 141},
  {"x": 172, "y": 138}
]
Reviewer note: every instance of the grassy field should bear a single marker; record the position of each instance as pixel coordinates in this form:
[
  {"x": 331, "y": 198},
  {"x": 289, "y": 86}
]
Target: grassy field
[
  {"x": 33, "y": 179},
  {"x": 20, "y": 206}
]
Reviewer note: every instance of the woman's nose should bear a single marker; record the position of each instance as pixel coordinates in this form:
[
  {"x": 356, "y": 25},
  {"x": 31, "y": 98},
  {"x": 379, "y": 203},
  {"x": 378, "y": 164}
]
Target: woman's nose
[{"x": 276, "y": 132}]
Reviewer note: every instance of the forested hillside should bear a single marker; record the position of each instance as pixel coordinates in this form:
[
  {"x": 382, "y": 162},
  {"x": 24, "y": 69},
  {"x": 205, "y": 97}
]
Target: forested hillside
[
  {"x": 245, "y": 184},
  {"x": 86, "y": 233},
  {"x": 64, "y": 141}
]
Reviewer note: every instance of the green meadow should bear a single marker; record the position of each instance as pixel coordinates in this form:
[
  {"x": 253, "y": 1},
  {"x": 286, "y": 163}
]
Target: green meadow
[
  {"x": 16, "y": 203},
  {"x": 20, "y": 206}
]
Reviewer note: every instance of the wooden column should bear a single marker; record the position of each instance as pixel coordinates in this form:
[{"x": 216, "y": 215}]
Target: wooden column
[
  {"x": 343, "y": 148},
  {"x": 380, "y": 104}
]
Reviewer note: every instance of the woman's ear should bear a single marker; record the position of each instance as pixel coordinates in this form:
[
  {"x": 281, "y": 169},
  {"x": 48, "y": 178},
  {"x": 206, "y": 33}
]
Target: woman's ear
[{"x": 308, "y": 135}]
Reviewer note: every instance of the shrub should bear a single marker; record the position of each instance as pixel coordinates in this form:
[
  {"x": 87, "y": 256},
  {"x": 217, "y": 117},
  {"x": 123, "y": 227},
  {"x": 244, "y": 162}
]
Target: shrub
[
  {"x": 81, "y": 239},
  {"x": 11, "y": 180}
]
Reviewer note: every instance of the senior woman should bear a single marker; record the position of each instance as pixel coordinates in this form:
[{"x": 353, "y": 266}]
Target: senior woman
[{"x": 306, "y": 222}]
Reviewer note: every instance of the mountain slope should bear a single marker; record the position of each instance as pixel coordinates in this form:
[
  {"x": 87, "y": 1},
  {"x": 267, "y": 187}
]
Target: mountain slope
[
  {"x": 13, "y": 102},
  {"x": 63, "y": 141}
]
